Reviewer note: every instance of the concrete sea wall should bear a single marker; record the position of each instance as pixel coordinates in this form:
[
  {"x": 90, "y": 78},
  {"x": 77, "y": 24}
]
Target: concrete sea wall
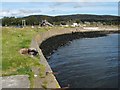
[
  {"x": 36, "y": 42},
  {"x": 40, "y": 43}
]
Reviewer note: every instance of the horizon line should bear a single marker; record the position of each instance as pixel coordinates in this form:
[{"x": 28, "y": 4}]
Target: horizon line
[{"x": 60, "y": 15}]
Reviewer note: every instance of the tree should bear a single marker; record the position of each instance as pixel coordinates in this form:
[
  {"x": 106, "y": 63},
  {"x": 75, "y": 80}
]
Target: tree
[{"x": 78, "y": 21}]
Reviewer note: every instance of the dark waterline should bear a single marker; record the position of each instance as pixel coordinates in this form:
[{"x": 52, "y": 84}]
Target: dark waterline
[{"x": 87, "y": 63}]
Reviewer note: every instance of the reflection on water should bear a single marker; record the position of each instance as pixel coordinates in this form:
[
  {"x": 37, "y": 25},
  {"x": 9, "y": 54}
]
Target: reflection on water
[{"x": 87, "y": 63}]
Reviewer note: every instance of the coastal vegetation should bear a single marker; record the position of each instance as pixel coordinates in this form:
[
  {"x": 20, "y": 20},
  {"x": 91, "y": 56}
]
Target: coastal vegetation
[
  {"x": 64, "y": 20},
  {"x": 13, "y": 63}
]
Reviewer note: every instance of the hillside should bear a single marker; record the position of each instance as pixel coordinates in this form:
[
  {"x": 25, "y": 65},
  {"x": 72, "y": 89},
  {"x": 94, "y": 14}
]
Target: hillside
[{"x": 36, "y": 19}]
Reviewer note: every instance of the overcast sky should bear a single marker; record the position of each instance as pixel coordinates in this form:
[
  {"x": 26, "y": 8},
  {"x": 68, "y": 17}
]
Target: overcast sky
[{"x": 20, "y": 9}]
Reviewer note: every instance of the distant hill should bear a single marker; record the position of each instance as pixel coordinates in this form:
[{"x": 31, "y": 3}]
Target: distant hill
[{"x": 36, "y": 19}]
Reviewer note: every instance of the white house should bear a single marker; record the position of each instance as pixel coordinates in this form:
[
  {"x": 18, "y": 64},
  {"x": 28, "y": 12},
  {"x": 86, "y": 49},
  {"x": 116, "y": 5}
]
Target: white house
[{"x": 74, "y": 25}]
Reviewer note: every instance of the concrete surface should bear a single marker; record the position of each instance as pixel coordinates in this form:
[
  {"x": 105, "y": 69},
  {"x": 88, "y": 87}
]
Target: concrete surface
[{"x": 17, "y": 81}]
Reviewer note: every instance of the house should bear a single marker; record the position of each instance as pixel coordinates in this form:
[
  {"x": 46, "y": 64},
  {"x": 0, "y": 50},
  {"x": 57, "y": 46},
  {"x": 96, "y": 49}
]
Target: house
[
  {"x": 74, "y": 25},
  {"x": 46, "y": 23}
]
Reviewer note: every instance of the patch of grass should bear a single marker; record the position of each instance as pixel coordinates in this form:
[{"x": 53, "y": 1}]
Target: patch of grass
[
  {"x": 24, "y": 43},
  {"x": 31, "y": 78},
  {"x": 42, "y": 73},
  {"x": 22, "y": 70},
  {"x": 57, "y": 85},
  {"x": 13, "y": 63},
  {"x": 44, "y": 84},
  {"x": 13, "y": 39}
]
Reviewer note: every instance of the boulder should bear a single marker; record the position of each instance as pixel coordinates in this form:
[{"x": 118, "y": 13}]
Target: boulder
[
  {"x": 30, "y": 51},
  {"x": 24, "y": 51}
]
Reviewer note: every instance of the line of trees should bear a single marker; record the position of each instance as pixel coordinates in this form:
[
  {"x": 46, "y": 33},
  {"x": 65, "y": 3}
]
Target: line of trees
[{"x": 57, "y": 20}]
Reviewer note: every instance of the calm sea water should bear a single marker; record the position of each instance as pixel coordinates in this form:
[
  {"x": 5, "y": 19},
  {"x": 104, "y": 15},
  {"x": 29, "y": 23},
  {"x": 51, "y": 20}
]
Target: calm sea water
[{"x": 87, "y": 63}]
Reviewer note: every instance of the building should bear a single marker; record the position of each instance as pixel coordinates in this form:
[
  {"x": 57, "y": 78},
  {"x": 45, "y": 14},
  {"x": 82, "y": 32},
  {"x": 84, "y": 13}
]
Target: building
[
  {"x": 46, "y": 23},
  {"x": 74, "y": 25}
]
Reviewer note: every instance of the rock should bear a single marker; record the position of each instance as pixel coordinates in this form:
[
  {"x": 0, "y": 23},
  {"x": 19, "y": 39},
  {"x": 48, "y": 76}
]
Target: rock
[
  {"x": 24, "y": 51},
  {"x": 32, "y": 51},
  {"x": 35, "y": 75}
]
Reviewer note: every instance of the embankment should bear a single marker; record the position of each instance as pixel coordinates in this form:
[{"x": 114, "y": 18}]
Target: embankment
[
  {"x": 51, "y": 44},
  {"x": 48, "y": 41}
]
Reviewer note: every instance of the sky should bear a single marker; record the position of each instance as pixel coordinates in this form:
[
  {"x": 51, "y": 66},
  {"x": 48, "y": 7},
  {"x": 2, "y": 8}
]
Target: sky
[{"x": 55, "y": 8}]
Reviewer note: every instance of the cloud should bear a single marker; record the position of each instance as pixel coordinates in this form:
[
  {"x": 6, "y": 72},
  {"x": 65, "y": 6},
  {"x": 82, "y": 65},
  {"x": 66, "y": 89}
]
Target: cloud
[
  {"x": 29, "y": 11},
  {"x": 57, "y": 4},
  {"x": 20, "y": 12},
  {"x": 57, "y": 8},
  {"x": 79, "y": 5},
  {"x": 93, "y": 4}
]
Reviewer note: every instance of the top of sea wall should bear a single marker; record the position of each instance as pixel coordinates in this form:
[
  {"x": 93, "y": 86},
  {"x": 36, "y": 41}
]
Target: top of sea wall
[{"x": 59, "y": 31}]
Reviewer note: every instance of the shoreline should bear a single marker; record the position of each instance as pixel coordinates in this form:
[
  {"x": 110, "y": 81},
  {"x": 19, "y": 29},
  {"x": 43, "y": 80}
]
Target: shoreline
[
  {"x": 69, "y": 34},
  {"x": 61, "y": 40},
  {"x": 46, "y": 80},
  {"x": 53, "y": 32}
]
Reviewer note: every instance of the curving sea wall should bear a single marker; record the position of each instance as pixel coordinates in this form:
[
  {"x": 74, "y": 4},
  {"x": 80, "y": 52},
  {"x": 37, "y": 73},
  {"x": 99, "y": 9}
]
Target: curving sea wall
[
  {"x": 53, "y": 43},
  {"x": 46, "y": 42}
]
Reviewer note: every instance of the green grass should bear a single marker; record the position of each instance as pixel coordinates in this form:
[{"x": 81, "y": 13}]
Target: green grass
[
  {"x": 44, "y": 84},
  {"x": 13, "y": 63},
  {"x": 42, "y": 73},
  {"x": 13, "y": 39}
]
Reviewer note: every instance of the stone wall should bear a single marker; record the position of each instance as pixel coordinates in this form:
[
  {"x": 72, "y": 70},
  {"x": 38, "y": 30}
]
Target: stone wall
[{"x": 41, "y": 37}]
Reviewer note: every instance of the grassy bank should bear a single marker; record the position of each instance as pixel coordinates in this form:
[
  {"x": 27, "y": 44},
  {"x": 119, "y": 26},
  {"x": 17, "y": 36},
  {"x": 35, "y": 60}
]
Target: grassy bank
[{"x": 13, "y": 63}]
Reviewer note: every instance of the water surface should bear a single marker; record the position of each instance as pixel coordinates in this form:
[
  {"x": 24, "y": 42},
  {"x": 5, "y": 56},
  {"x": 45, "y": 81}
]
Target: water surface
[{"x": 87, "y": 63}]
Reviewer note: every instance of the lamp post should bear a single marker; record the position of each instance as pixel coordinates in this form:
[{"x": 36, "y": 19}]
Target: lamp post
[{"x": 23, "y": 23}]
